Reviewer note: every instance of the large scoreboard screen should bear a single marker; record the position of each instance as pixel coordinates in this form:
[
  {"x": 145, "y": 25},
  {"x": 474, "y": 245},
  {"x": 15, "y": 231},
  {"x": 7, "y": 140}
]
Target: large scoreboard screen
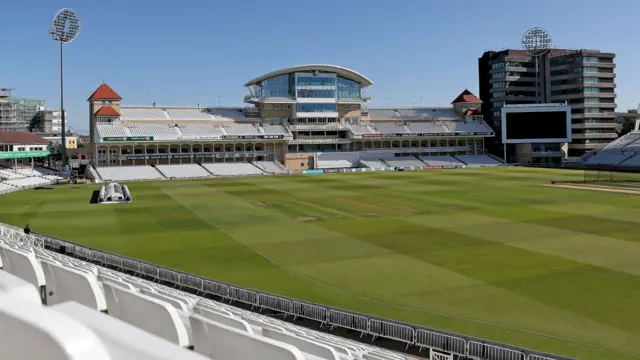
[{"x": 545, "y": 123}]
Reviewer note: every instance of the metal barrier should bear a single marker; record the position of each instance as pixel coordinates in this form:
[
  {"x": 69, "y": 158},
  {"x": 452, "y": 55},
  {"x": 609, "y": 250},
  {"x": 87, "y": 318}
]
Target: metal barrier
[
  {"x": 538, "y": 357},
  {"x": 432, "y": 340},
  {"x": 308, "y": 311},
  {"x": 483, "y": 351},
  {"x": 392, "y": 331},
  {"x": 406, "y": 333},
  {"x": 349, "y": 321},
  {"x": 274, "y": 303}
]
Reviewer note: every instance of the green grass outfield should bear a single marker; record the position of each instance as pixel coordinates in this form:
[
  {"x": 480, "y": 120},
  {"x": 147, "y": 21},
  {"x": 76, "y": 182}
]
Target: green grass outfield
[{"x": 482, "y": 245}]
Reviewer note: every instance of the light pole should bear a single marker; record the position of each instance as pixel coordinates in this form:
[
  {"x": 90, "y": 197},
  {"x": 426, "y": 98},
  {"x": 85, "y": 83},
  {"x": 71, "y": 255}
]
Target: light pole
[
  {"x": 218, "y": 100},
  {"x": 536, "y": 42},
  {"x": 65, "y": 28}
]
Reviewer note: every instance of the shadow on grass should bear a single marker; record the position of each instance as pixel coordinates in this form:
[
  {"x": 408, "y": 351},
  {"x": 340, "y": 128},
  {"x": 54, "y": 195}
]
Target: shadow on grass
[{"x": 94, "y": 197}]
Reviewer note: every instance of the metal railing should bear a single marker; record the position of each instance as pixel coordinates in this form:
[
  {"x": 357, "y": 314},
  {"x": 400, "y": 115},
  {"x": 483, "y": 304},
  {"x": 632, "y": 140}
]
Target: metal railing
[{"x": 411, "y": 335}]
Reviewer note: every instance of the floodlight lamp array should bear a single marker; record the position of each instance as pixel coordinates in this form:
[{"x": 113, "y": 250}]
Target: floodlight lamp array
[
  {"x": 536, "y": 41},
  {"x": 66, "y": 26}
]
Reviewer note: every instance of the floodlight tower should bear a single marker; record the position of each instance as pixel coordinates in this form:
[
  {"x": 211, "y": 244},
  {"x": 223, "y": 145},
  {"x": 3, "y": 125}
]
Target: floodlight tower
[
  {"x": 66, "y": 26},
  {"x": 536, "y": 42}
]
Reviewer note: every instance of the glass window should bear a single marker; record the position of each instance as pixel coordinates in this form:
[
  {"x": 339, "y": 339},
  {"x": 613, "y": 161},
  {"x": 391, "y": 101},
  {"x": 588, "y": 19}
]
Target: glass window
[
  {"x": 590, "y": 79},
  {"x": 592, "y": 110},
  {"x": 497, "y": 75},
  {"x": 591, "y": 90},
  {"x": 315, "y": 93},
  {"x": 592, "y": 59},
  {"x": 591, "y": 100},
  {"x": 277, "y": 86},
  {"x": 498, "y": 66},
  {"x": 317, "y": 108},
  {"x": 348, "y": 89},
  {"x": 287, "y": 106},
  {"x": 590, "y": 69},
  {"x": 276, "y": 107},
  {"x": 498, "y": 85}
]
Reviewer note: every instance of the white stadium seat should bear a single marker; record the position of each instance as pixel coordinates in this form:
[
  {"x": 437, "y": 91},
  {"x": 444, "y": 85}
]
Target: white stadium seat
[
  {"x": 373, "y": 164},
  {"x": 428, "y": 127},
  {"x": 361, "y": 129},
  {"x": 242, "y": 129},
  {"x": 308, "y": 346},
  {"x": 441, "y": 160},
  {"x": 222, "y": 342},
  {"x": 200, "y": 131},
  {"x": 146, "y": 313},
  {"x": 390, "y": 129},
  {"x": 129, "y": 173},
  {"x": 24, "y": 265},
  {"x": 404, "y": 162},
  {"x": 158, "y": 131},
  {"x": 138, "y": 343},
  {"x": 271, "y": 167},
  {"x": 232, "y": 169},
  {"x": 110, "y": 130},
  {"x": 30, "y": 331},
  {"x": 480, "y": 160},
  {"x": 69, "y": 284},
  {"x": 15, "y": 286},
  {"x": 184, "y": 171},
  {"x": 189, "y": 114}
]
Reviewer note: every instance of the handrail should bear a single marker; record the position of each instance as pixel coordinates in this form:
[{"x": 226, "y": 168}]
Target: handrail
[{"x": 409, "y": 334}]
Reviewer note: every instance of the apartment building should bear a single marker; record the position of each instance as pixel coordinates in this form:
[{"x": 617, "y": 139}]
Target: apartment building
[{"x": 584, "y": 79}]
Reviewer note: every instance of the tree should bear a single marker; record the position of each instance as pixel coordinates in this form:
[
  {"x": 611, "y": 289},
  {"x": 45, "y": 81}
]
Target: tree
[{"x": 629, "y": 122}]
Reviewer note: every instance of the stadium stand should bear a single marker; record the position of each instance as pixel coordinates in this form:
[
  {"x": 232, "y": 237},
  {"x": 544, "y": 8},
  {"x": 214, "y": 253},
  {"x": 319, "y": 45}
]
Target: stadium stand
[
  {"x": 158, "y": 131},
  {"x": 200, "y": 131},
  {"x": 337, "y": 160},
  {"x": 184, "y": 171},
  {"x": 613, "y": 157},
  {"x": 361, "y": 129},
  {"x": 143, "y": 113},
  {"x": 222, "y": 114},
  {"x": 242, "y": 129},
  {"x": 373, "y": 164},
  {"x": 58, "y": 300},
  {"x": 112, "y": 130},
  {"x": 391, "y": 129},
  {"x": 275, "y": 130},
  {"x": 471, "y": 127},
  {"x": 271, "y": 167},
  {"x": 444, "y": 161},
  {"x": 189, "y": 114},
  {"x": 424, "y": 127},
  {"x": 479, "y": 160},
  {"x": 404, "y": 162},
  {"x": 129, "y": 173},
  {"x": 232, "y": 169}
]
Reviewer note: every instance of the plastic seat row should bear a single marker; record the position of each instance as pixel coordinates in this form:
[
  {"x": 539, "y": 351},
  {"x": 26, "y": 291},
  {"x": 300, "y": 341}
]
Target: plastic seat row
[
  {"x": 183, "y": 171},
  {"x": 129, "y": 173},
  {"x": 233, "y": 169}
]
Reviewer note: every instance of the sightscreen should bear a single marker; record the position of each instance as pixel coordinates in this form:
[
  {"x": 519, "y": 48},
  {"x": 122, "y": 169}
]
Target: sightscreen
[{"x": 531, "y": 125}]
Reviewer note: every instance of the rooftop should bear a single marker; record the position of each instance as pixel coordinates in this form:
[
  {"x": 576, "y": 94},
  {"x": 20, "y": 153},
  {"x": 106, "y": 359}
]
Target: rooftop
[
  {"x": 21, "y": 138},
  {"x": 339, "y": 70},
  {"x": 104, "y": 92}
]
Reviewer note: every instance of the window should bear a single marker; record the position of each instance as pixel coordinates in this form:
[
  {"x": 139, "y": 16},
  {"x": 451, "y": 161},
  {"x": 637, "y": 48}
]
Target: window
[
  {"x": 287, "y": 106},
  {"x": 590, "y": 69},
  {"x": 276, "y": 107},
  {"x": 592, "y": 100},
  {"x": 590, "y": 79},
  {"x": 317, "y": 108},
  {"x": 498, "y": 85},
  {"x": 591, "y": 90},
  {"x": 498, "y": 94},
  {"x": 592, "y": 110},
  {"x": 497, "y": 75},
  {"x": 497, "y": 66},
  {"x": 591, "y": 59},
  {"x": 347, "y": 107}
]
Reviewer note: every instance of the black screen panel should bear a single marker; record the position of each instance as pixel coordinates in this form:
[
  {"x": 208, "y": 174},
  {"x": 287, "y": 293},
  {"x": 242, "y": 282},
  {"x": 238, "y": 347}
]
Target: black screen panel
[{"x": 536, "y": 125}]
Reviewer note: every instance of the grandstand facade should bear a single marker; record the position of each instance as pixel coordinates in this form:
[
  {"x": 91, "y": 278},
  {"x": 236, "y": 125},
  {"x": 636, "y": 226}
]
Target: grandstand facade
[{"x": 292, "y": 115}]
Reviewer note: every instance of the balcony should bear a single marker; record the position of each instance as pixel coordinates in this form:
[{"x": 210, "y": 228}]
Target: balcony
[
  {"x": 603, "y": 125},
  {"x": 579, "y": 146},
  {"x": 603, "y": 105},
  {"x": 594, "y": 136}
]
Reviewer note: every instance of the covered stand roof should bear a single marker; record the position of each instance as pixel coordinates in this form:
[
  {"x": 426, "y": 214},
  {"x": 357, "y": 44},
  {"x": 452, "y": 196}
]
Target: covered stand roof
[{"x": 339, "y": 70}]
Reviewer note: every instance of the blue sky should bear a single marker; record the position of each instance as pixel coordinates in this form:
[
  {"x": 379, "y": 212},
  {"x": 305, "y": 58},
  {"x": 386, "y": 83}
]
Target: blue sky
[{"x": 190, "y": 52}]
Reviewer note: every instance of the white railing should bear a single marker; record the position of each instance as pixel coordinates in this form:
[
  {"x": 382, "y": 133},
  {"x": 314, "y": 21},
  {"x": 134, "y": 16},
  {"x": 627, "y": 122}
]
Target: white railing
[{"x": 411, "y": 335}]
